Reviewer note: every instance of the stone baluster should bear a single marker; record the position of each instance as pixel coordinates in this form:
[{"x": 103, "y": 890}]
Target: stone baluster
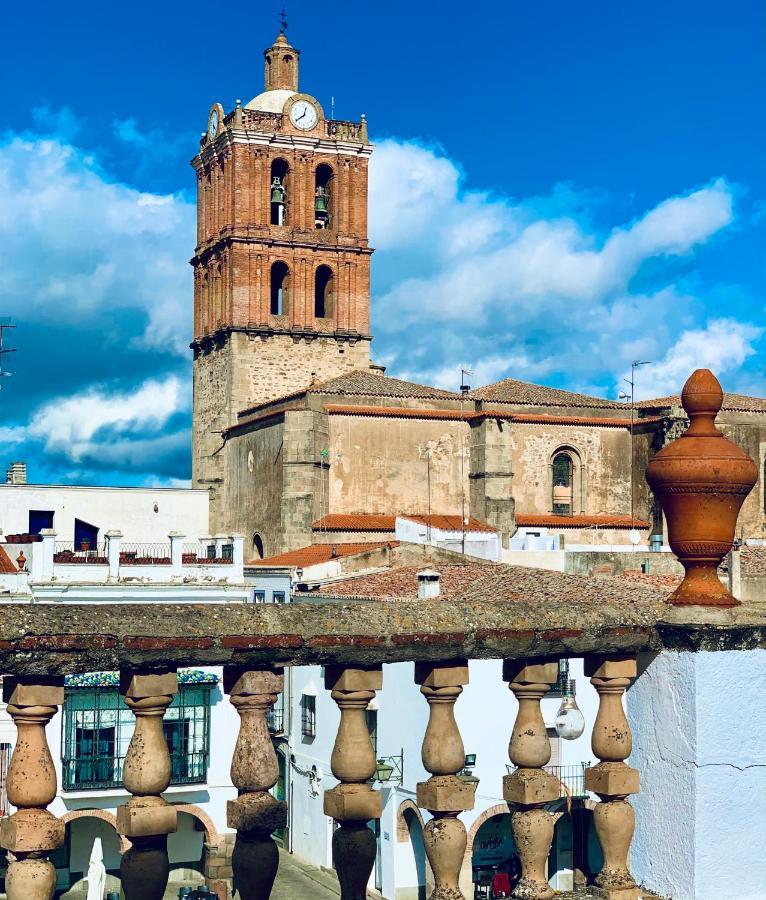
[
  {"x": 353, "y": 802},
  {"x": 147, "y": 818},
  {"x": 444, "y": 795},
  {"x": 612, "y": 779},
  {"x": 255, "y": 814},
  {"x": 529, "y": 787},
  {"x": 32, "y": 832}
]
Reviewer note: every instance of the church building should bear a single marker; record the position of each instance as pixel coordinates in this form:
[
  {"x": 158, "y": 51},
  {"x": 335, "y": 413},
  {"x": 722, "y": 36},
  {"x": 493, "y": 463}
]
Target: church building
[{"x": 300, "y": 438}]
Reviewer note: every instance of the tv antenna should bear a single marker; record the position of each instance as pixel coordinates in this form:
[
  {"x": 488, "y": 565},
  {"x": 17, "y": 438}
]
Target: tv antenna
[
  {"x": 283, "y": 20},
  {"x": 5, "y": 323}
]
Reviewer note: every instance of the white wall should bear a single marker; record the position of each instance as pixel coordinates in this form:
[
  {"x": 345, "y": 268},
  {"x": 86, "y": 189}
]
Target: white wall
[
  {"x": 698, "y": 722},
  {"x": 130, "y": 510},
  {"x": 485, "y": 713}
]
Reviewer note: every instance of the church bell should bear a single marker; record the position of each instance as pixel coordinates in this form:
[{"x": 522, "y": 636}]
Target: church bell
[
  {"x": 321, "y": 212},
  {"x": 277, "y": 191}
]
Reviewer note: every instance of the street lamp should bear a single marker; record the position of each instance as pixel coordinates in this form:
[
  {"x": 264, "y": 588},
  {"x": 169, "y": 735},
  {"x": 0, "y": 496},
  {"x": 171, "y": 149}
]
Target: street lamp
[{"x": 636, "y": 364}]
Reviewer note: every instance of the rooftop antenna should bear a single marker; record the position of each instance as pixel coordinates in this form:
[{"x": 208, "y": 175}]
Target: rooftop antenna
[
  {"x": 283, "y": 20},
  {"x": 5, "y": 322}
]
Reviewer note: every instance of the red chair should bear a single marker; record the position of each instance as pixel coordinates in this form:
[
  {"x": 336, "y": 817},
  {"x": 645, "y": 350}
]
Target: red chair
[{"x": 501, "y": 885}]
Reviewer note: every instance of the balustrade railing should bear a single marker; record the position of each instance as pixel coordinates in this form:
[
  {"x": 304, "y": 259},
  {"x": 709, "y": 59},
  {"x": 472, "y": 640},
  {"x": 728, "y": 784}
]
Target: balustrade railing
[
  {"x": 80, "y": 553},
  {"x": 145, "y": 554}
]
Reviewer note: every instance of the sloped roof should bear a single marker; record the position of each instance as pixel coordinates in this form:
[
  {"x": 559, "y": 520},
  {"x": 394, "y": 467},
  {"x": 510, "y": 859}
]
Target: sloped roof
[
  {"x": 482, "y": 581},
  {"x": 509, "y": 390},
  {"x": 551, "y": 521},
  {"x": 384, "y": 522},
  {"x": 368, "y": 384},
  {"x": 731, "y": 402},
  {"x": 320, "y": 553},
  {"x": 6, "y": 566}
]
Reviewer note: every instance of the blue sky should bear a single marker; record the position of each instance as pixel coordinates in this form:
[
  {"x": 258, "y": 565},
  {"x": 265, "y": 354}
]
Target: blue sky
[{"x": 557, "y": 189}]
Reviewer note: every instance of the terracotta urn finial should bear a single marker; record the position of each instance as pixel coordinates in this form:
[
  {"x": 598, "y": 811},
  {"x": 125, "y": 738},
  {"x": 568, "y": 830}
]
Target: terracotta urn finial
[
  {"x": 21, "y": 561},
  {"x": 701, "y": 481}
]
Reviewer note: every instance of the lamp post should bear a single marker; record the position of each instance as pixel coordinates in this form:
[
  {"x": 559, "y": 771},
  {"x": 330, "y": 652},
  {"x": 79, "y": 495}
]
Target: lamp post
[{"x": 636, "y": 364}]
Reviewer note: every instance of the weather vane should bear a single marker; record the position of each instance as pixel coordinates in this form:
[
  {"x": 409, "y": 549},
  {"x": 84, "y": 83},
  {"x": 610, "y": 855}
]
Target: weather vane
[{"x": 283, "y": 20}]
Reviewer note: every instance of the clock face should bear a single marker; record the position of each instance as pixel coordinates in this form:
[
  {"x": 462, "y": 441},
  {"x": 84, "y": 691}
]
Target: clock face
[
  {"x": 212, "y": 126},
  {"x": 303, "y": 115}
]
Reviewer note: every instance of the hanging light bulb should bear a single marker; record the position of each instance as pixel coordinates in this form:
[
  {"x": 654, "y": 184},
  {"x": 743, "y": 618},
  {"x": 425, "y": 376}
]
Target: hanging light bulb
[{"x": 570, "y": 722}]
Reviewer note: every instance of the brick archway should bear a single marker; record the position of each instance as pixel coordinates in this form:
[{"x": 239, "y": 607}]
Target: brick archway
[
  {"x": 211, "y": 832},
  {"x": 466, "y": 870},
  {"x": 102, "y": 814},
  {"x": 402, "y": 829}
]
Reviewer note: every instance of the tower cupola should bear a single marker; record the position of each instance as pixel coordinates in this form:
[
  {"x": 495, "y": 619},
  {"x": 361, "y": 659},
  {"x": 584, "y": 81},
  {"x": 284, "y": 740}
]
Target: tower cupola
[{"x": 281, "y": 65}]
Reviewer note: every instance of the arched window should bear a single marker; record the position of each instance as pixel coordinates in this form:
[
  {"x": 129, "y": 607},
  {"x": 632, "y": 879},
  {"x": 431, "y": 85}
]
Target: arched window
[
  {"x": 563, "y": 484},
  {"x": 323, "y": 293},
  {"x": 278, "y": 191},
  {"x": 280, "y": 288},
  {"x": 323, "y": 205},
  {"x": 258, "y": 545},
  {"x": 288, "y": 63}
]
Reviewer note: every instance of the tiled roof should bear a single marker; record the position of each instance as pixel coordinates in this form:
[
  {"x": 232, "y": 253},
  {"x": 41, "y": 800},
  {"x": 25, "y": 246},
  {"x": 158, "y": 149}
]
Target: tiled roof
[
  {"x": 368, "y": 384},
  {"x": 379, "y": 522},
  {"x": 354, "y": 522},
  {"x": 6, "y": 566},
  {"x": 398, "y": 412},
  {"x": 731, "y": 402},
  {"x": 550, "y": 521},
  {"x": 451, "y": 523},
  {"x": 319, "y": 553},
  {"x": 483, "y": 581},
  {"x": 404, "y": 412},
  {"x": 527, "y": 394},
  {"x": 752, "y": 560}
]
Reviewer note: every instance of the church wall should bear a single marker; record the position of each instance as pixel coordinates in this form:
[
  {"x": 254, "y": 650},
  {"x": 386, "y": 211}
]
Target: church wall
[
  {"x": 211, "y": 414},
  {"x": 379, "y": 465},
  {"x": 254, "y": 486},
  {"x": 751, "y": 437},
  {"x": 269, "y": 367},
  {"x": 602, "y": 478}
]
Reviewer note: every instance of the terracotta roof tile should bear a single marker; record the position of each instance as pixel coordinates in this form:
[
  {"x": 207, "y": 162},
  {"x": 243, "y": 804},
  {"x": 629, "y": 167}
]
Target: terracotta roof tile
[
  {"x": 482, "y": 581},
  {"x": 6, "y": 566},
  {"x": 319, "y": 553},
  {"x": 380, "y": 522},
  {"x": 752, "y": 560},
  {"x": 524, "y": 520},
  {"x": 524, "y": 393},
  {"x": 355, "y": 522},
  {"x": 398, "y": 412},
  {"x": 368, "y": 384},
  {"x": 731, "y": 402}
]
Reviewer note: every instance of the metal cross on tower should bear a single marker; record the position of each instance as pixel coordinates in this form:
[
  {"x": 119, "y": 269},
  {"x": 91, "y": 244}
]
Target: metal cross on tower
[{"x": 283, "y": 20}]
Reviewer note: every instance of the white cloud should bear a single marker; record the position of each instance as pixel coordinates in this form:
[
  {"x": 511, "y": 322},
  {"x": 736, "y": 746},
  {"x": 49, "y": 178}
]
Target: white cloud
[
  {"x": 104, "y": 424},
  {"x": 722, "y": 346},
  {"x": 82, "y": 245},
  {"x": 530, "y": 288}
]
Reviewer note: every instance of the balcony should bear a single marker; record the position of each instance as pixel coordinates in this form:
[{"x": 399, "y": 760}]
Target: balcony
[{"x": 530, "y": 619}]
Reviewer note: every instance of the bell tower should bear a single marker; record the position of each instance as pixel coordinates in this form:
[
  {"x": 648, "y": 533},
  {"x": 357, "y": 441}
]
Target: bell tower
[{"x": 282, "y": 262}]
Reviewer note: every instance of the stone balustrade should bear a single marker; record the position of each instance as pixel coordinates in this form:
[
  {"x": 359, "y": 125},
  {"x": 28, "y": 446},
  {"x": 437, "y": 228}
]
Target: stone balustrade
[{"x": 32, "y": 833}]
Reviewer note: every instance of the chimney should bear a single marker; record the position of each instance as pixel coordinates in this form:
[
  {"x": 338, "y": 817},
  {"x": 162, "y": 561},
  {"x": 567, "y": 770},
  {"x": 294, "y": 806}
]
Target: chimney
[
  {"x": 16, "y": 474},
  {"x": 428, "y": 584}
]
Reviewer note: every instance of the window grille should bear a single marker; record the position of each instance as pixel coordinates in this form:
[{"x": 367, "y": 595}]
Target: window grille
[
  {"x": 98, "y": 727},
  {"x": 559, "y": 688},
  {"x": 259, "y": 596},
  {"x": 308, "y": 716},
  {"x": 279, "y": 596}
]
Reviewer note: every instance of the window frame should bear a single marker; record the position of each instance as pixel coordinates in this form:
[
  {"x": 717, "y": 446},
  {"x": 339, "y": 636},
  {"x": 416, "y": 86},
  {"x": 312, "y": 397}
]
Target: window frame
[
  {"x": 107, "y": 712},
  {"x": 308, "y": 715}
]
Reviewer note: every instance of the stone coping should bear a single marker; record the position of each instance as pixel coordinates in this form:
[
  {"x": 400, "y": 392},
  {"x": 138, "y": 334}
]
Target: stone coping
[{"x": 52, "y": 639}]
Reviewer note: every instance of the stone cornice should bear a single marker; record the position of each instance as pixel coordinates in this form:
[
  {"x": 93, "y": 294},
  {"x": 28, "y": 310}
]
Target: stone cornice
[
  {"x": 287, "y": 142},
  {"x": 56, "y": 639},
  {"x": 229, "y": 240},
  {"x": 262, "y": 329}
]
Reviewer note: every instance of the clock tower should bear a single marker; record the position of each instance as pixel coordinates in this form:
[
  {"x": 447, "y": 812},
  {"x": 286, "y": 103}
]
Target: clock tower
[{"x": 282, "y": 262}]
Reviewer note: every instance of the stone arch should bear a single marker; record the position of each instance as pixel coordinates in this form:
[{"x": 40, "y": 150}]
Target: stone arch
[
  {"x": 211, "y": 832},
  {"x": 402, "y": 829},
  {"x": 578, "y": 480},
  {"x": 102, "y": 814},
  {"x": 466, "y": 870}
]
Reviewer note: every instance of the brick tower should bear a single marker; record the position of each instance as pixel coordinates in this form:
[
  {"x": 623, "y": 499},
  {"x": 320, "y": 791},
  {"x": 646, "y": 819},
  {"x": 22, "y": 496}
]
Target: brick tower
[{"x": 282, "y": 263}]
